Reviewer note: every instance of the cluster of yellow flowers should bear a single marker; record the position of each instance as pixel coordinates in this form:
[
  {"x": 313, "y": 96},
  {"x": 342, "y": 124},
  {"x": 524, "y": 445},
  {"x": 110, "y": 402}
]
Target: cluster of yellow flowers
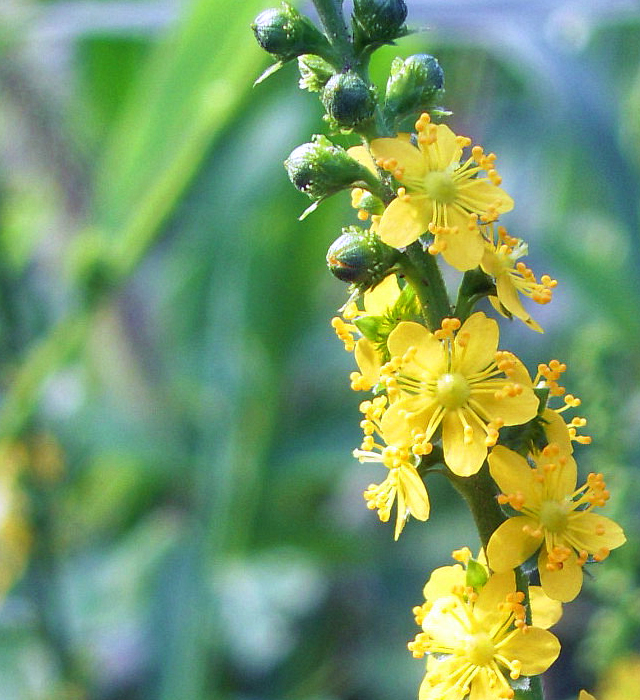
[{"x": 446, "y": 395}]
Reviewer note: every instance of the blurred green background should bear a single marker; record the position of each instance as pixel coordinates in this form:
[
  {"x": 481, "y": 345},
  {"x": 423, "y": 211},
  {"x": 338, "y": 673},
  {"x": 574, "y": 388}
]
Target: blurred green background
[{"x": 180, "y": 516}]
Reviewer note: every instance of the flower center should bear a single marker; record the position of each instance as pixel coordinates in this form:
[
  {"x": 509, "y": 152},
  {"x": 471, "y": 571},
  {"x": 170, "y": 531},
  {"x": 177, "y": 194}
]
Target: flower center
[
  {"x": 452, "y": 390},
  {"x": 479, "y": 649},
  {"x": 440, "y": 187},
  {"x": 553, "y": 516}
]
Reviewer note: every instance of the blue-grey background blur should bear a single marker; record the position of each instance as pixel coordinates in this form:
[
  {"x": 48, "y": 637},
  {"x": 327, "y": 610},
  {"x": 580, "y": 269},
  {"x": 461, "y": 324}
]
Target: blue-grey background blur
[{"x": 175, "y": 396}]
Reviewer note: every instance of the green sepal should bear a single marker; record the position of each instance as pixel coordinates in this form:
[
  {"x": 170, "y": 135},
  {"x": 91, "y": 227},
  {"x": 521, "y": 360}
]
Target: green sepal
[
  {"x": 315, "y": 72},
  {"x": 320, "y": 168},
  {"x": 477, "y": 574},
  {"x": 377, "y": 22},
  {"x": 413, "y": 86}
]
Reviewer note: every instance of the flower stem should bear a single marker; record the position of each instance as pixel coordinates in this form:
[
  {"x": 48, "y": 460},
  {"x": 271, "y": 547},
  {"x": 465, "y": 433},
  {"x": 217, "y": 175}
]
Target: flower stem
[
  {"x": 479, "y": 491},
  {"x": 330, "y": 13},
  {"x": 421, "y": 271}
]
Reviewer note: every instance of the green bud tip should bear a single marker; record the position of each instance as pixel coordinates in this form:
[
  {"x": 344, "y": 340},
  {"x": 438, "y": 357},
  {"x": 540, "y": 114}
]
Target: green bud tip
[
  {"x": 348, "y": 100},
  {"x": 413, "y": 85},
  {"x": 378, "y": 22},
  {"x": 359, "y": 257},
  {"x": 285, "y": 33},
  {"x": 320, "y": 169}
]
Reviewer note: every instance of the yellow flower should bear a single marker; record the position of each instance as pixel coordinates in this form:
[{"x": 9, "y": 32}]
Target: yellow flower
[
  {"x": 557, "y": 519},
  {"x": 403, "y": 484},
  {"x": 441, "y": 194},
  {"x": 386, "y": 304},
  {"x": 459, "y": 382},
  {"x": 477, "y": 640},
  {"x": 500, "y": 260}
]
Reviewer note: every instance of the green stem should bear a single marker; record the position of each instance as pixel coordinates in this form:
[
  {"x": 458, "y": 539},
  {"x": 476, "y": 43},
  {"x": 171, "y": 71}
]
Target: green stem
[
  {"x": 479, "y": 491},
  {"x": 421, "y": 270},
  {"x": 330, "y": 13},
  {"x": 475, "y": 285}
]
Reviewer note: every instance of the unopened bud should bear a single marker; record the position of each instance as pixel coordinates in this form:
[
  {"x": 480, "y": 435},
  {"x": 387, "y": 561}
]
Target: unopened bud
[
  {"x": 285, "y": 33},
  {"x": 377, "y": 22},
  {"x": 359, "y": 256},
  {"x": 413, "y": 86},
  {"x": 349, "y": 101},
  {"x": 320, "y": 169}
]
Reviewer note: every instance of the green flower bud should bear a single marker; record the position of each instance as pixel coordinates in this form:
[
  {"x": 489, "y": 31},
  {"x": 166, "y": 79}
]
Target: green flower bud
[
  {"x": 315, "y": 72},
  {"x": 378, "y": 22},
  {"x": 285, "y": 33},
  {"x": 359, "y": 256},
  {"x": 348, "y": 100},
  {"x": 413, "y": 86},
  {"x": 320, "y": 169}
]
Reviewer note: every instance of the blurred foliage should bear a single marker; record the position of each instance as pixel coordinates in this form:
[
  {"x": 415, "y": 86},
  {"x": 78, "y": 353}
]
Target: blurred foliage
[{"x": 176, "y": 422}]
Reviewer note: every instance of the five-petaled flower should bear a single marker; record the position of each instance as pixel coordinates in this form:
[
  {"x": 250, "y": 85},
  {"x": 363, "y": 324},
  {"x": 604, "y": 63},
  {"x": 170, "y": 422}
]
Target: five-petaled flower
[
  {"x": 478, "y": 641},
  {"x": 456, "y": 381},
  {"x": 441, "y": 193},
  {"x": 512, "y": 277},
  {"x": 556, "y": 518},
  {"x": 403, "y": 485}
]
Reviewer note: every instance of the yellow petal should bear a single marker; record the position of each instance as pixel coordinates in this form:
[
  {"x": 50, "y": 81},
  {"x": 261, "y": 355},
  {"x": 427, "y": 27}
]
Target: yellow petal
[
  {"x": 403, "y": 222},
  {"x": 556, "y": 430},
  {"x": 364, "y": 157},
  {"x": 513, "y": 410},
  {"x": 583, "y": 527},
  {"x": 519, "y": 373},
  {"x": 396, "y": 427},
  {"x": 482, "y": 335},
  {"x": 585, "y": 696},
  {"x": 368, "y": 360},
  {"x": 446, "y": 149},
  {"x": 442, "y": 581},
  {"x": 479, "y": 195},
  {"x": 464, "y": 459},
  {"x": 482, "y": 686},
  {"x": 561, "y": 481},
  {"x": 408, "y": 156},
  {"x": 416, "y": 496},
  {"x": 382, "y": 297},
  {"x": 545, "y": 611},
  {"x": 488, "y": 607},
  {"x": 510, "y": 546},
  {"x": 562, "y": 584},
  {"x": 410, "y": 334},
  {"x": 536, "y": 649},
  {"x": 464, "y": 248},
  {"x": 509, "y": 297},
  {"x": 513, "y": 474}
]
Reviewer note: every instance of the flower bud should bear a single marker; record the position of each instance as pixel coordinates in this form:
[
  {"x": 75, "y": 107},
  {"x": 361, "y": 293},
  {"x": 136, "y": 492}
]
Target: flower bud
[
  {"x": 285, "y": 33},
  {"x": 348, "y": 100},
  {"x": 315, "y": 72},
  {"x": 413, "y": 86},
  {"x": 378, "y": 22},
  {"x": 320, "y": 169},
  {"x": 359, "y": 256}
]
